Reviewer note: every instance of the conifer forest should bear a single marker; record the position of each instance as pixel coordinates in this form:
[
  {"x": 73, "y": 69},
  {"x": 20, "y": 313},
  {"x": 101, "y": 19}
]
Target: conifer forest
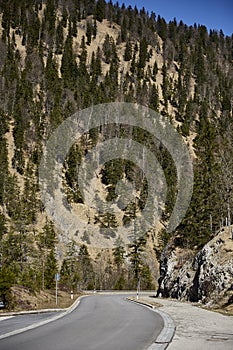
[{"x": 58, "y": 57}]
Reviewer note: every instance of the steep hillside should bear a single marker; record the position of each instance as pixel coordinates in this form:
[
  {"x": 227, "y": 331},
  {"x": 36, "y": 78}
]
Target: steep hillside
[{"x": 59, "y": 57}]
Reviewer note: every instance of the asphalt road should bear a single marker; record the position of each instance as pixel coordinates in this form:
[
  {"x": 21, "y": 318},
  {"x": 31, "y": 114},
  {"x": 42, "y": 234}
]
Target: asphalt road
[
  {"x": 101, "y": 322},
  {"x": 21, "y": 321}
]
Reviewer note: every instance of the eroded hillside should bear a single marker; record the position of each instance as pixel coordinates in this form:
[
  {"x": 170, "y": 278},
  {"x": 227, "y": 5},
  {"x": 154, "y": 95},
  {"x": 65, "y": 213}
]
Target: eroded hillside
[{"x": 59, "y": 57}]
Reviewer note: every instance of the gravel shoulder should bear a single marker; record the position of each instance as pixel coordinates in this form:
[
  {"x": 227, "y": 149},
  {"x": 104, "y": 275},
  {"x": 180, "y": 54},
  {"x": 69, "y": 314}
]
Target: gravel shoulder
[{"x": 196, "y": 328}]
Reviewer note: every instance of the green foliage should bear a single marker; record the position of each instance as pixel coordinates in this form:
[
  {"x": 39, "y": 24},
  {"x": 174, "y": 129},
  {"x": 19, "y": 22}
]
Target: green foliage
[
  {"x": 163, "y": 240},
  {"x": 165, "y": 86},
  {"x": 16, "y": 247},
  {"x": 120, "y": 282},
  {"x": 36, "y": 97},
  {"x": 74, "y": 158},
  {"x": 146, "y": 280},
  {"x": 143, "y": 55},
  {"x": 155, "y": 71},
  {"x": 94, "y": 29},
  {"x": 119, "y": 253},
  {"x": 85, "y": 268},
  {"x": 73, "y": 21},
  {"x": 30, "y": 205},
  {"x": 59, "y": 38},
  {"x": 196, "y": 228},
  {"x": 161, "y": 27},
  {"x": 82, "y": 69},
  {"x": 12, "y": 197},
  {"x": 107, "y": 223},
  {"x": 69, "y": 69},
  {"x": 136, "y": 248},
  {"x": 47, "y": 237},
  {"x": 112, "y": 172},
  {"x": 70, "y": 275},
  {"x": 50, "y": 16},
  {"x": 10, "y": 70},
  {"x": 3, "y": 159},
  {"x": 154, "y": 98},
  {"x": 89, "y": 32},
  {"x": 128, "y": 51},
  {"x": 133, "y": 64},
  {"x": 100, "y": 10},
  {"x": 3, "y": 228},
  {"x": 7, "y": 278},
  {"x": 50, "y": 270},
  {"x": 109, "y": 48},
  {"x": 95, "y": 69}
]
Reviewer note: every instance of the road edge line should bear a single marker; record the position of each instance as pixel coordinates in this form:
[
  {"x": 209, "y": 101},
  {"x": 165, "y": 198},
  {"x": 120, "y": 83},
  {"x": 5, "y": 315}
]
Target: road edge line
[
  {"x": 42, "y": 323},
  {"x": 167, "y": 333}
]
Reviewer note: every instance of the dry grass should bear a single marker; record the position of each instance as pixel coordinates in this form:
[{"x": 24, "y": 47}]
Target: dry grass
[
  {"x": 24, "y": 299},
  {"x": 228, "y": 310},
  {"x": 145, "y": 302}
]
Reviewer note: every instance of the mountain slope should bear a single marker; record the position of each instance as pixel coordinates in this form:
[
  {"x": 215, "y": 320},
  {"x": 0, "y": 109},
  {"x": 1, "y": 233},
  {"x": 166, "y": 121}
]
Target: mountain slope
[{"x": 59, "y": 57}]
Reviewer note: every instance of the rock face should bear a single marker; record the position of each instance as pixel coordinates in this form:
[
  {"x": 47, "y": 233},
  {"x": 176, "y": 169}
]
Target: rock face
[{"x": 206, "y": 277}]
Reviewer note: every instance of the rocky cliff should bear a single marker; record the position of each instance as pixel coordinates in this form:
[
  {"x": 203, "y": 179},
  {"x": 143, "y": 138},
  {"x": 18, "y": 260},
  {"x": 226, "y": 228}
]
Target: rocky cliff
[{"x": 205, "y": 277}]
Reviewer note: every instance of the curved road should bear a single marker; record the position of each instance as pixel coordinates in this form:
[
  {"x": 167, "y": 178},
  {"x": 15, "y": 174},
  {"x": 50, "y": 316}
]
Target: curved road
[{"x": 101, "y": 322}]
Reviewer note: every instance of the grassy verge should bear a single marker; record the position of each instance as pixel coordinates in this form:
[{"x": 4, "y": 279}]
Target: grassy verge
[{"x": 24, "y": 299}]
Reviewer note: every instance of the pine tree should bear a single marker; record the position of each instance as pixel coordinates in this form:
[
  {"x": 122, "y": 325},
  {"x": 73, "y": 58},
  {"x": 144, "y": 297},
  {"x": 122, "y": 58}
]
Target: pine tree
[
  {"x": 7, "y": 279},
  {"x": 155, "y": 71},
  {"x": 165, "y": 86},
  {"x": 196, "y": 228},
  {"x": 136, "y": 249},
  {"x": 50, "y": 270},
  {"x": 12, "y": 198},
  {"x": 30, "y": 204},
  {"x": 154, "y": 98},
  {"x": 100, "y": 10},
  {"x": 59, "y": 38},
  {"x": 124, "y": 30},
  {"x": 82, "y": 68},
  {"x": 64, "y": 17},
  {"x": 107, "y": 48},
  {"x": 69, "y": 69},
  {"x": 3, "y": 228},
  {"x": 119, "y": 253},
  {"x": 89, "y": 32},
  {"x": 143, "y": 53},
  {"x": 74, "y": 30},
  {"x": 52, "y": 78},
  {"x": 128, "y": 51},
  {"x": 161, "y": 27},
  {"x": 146, "y": 281},
  {"x": 50, "y": 16},
  {"x": 94, "y": 29},
  {"x": 133, "y": 64},
  {"x": 48, "y": 236},
  {"x": 70, "y": 269},
  {"x": 3, "y": 158},
  {"x": 85, "y": 268}
]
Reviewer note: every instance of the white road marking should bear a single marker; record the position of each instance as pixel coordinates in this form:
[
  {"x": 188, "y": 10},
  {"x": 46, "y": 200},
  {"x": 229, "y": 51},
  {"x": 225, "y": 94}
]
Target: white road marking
[{"x": 2, "y": 318}]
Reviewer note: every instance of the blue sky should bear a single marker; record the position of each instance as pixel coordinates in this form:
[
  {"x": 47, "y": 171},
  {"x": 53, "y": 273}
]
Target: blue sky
[{"x": 214, "y": 14}]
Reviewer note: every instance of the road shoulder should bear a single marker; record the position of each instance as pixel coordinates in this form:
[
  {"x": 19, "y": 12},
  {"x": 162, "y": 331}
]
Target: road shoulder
[{"x": 196, "y": 328}]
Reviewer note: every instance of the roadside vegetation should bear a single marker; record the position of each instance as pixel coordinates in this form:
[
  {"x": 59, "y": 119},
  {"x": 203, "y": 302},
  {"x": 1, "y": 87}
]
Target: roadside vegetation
[{"x": 58, "y": 57}]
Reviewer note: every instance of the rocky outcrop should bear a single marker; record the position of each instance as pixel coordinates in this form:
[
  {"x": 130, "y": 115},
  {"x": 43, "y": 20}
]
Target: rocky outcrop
[{"x": 206, "y": 277}]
